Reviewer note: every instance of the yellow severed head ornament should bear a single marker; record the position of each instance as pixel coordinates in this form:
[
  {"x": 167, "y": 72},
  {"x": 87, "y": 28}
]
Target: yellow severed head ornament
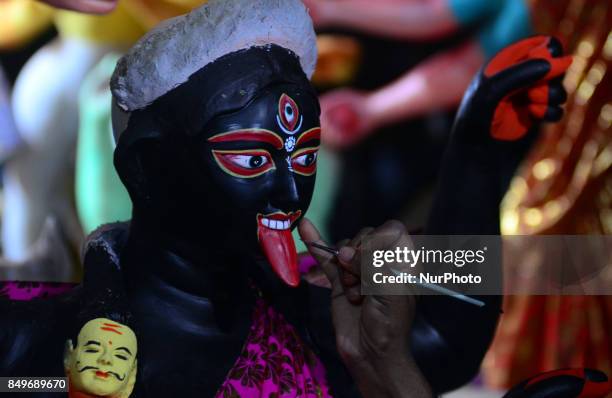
[{"x": 103, "y": 363}]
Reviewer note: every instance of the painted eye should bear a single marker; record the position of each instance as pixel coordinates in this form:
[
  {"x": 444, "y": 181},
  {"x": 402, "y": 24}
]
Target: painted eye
[
  {"x": 91, "y": 351},
  {"x": 306, "y": 159},
  {"x": 304, "y": 162},
  {"x": 245, "y": 164},
  {"x": 248, "y": 161},
  {"x": 289, "y": 113},
  {"x": 121, "y": 357}
]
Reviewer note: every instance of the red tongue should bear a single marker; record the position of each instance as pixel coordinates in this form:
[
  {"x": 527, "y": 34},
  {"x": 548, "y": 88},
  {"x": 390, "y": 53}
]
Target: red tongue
[{"x": 279, "y": 248}]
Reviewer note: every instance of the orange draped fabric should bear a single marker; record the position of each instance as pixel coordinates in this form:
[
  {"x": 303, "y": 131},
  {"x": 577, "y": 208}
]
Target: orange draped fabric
[{"x": 563, "y": 187}]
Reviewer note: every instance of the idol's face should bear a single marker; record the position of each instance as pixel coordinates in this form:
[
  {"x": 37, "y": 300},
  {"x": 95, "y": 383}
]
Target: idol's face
[
  {"x": 262, "y": 162},
  {"x": 104, "y": 358}
]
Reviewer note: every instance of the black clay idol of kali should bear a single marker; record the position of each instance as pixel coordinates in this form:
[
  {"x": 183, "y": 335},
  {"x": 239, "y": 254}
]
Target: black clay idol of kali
[{"x": 234, "y": 169}]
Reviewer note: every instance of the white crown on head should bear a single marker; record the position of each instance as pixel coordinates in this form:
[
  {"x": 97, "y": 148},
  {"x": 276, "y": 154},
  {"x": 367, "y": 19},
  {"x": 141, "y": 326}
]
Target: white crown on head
[{"x": 166, "y": 56}]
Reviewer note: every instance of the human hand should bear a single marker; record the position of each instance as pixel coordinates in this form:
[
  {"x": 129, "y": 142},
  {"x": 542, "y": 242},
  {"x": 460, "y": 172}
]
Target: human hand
[
  {"x": 319, "y": 12},
  {"x": 85, "y": 6},
  {"x": 372, "y": 332},
  {"x": 345, "y": 118}
]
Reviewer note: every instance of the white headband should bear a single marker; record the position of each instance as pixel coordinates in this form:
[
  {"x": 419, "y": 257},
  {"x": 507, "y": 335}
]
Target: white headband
[{"x": 166, "y": 56}]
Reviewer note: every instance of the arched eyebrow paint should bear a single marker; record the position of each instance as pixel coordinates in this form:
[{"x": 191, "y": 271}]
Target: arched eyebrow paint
[
  {"x": 309, "y": 135},
  {"x": 255, "y": 135}
]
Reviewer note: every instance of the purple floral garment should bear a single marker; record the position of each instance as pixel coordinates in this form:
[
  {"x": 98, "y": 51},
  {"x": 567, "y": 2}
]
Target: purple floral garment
[
  {"x": 274, "y": 362},
  {"x": 25, "y": 291}
]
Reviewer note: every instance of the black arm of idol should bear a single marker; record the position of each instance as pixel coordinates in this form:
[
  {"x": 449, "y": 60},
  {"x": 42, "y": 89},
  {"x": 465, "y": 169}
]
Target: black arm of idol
[
  {"x": 450, "y": 337},
  {"x": 33, "y": 334}
]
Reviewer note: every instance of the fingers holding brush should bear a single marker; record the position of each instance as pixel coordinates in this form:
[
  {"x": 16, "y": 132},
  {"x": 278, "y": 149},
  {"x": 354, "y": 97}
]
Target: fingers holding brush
[{"x": 338, "y": 264}]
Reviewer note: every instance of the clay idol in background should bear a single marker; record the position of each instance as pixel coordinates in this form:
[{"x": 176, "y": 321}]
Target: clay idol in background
[
  {"x": 9, "y": 139},
  {"x": 217, "y": 147},
  {"x": 38, "y": 176}
]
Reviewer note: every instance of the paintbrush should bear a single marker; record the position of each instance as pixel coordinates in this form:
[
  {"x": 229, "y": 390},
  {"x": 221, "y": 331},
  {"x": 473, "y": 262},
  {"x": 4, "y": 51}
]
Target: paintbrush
[
  {"x": 319, "y": 246},
  {"x": 430, "y": 286}
]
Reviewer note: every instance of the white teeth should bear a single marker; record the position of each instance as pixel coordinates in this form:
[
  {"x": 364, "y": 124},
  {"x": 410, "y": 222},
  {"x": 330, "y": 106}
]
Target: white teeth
[{"x": 275, "y": 224}]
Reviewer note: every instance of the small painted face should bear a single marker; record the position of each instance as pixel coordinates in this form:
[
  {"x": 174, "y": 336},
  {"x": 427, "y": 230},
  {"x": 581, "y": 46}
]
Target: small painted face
[
  {"x": 264, "y": 159},
  {"x": 103, "y": 362}
]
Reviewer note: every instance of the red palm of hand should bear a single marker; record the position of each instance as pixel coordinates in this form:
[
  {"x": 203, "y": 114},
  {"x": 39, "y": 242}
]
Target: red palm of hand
[{"x": 344, "y": 118}]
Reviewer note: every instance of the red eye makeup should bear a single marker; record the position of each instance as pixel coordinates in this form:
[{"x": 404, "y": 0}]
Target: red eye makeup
[
  {"x": 244, "y": 163},
  {"x": 304, "y": 161},
  {"x": 309, "y": 135},
  {"x": 255, "y": 135}
]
